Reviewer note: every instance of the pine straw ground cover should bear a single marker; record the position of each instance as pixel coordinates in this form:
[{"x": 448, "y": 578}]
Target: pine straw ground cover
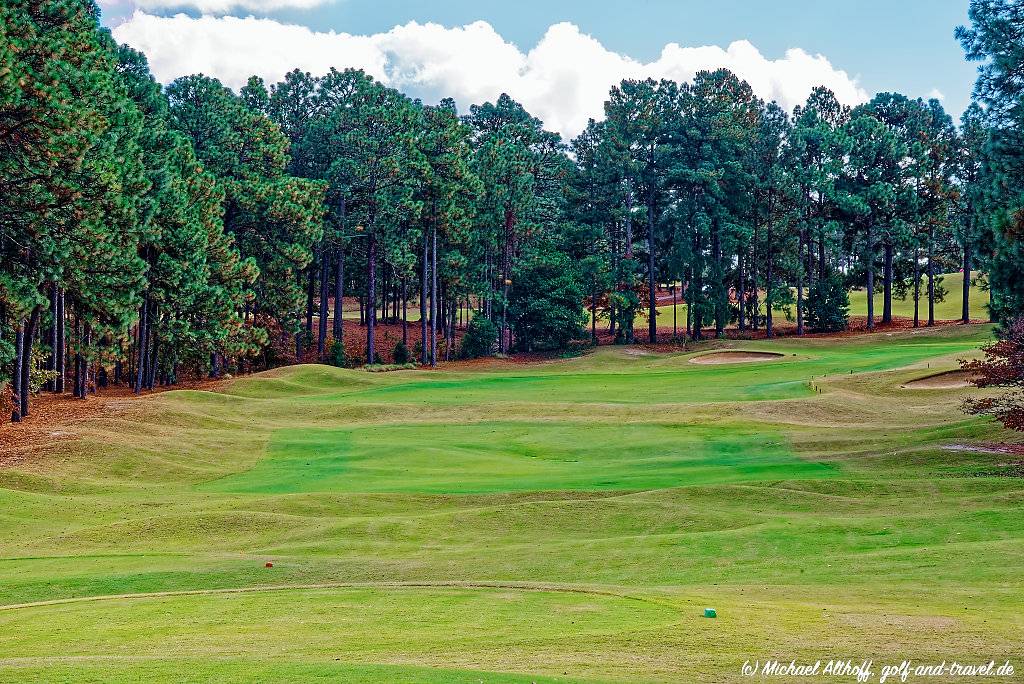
[{"x": 553, "y": 521}]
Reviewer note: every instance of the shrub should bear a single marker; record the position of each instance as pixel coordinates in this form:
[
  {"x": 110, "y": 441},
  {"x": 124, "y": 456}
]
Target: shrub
[
  {"x": 335, "y": 354},
  {"x": 1003, "y": 367},
  {"x": 480, "y": 338},
  {"x": 38, "y": 377},
  {"x": 546, "y": 302},
  {"x": 401, "y": 354},
  {"x": 389, "y": 367},
  {"x": 828, "y": 304}
]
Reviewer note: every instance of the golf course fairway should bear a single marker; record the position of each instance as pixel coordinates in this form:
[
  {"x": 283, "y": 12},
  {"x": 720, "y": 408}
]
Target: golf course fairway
[{"x": 565, "y": 520}]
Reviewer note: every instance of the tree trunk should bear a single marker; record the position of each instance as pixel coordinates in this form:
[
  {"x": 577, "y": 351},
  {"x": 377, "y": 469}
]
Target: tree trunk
[
  {"x": 504, "y": 344},
  {"x": 51, "y": 363},
  {"x": 154, "y": 355},
  {"x": 887, "y": 275},
  {"x": 26, "y": 359},
  {"x": 79, "y": 363},
  {"x": 675, "y": 313},
  {"x": 965, "y": 311},
  {"x": 339, "y": 296},
  {"x": 721, "y": 293},
  {"x": 143, "y": 334},
  {"x": 424, "y": 272},
  {"x": 61, "y": 349},
  {"x": 19, "y": 338},
  {"x": 310, "y": 294},
  {"x": 769, "y": 330},
  {"x": 688, "y": 299},
  {"x": 917, "y": 287},
  {"x": 612, "y": 309},
  {"x": 755, "y": 304},
  {"x": 76, "y": 363},
  {"x": 433, "y": 295},
  {"x": 489, "y": 299},
  {"x": 442, "y": 309},
  {"x": 405, "y": 313},
  {"x": 809, "y": 259},
  {"x": 931, "y": 277},
  {"x": 821, "y": 255},
  {"x": 503, "y": 338},
  {"x": 325, "y": 295},
  {"x": 741, "y": 292},
  {"x": 87, "y": 387},
  {"x": 629, "y": 220},
  {"x": 697, "y": 298},
  {"x": 652, "y": 297},
  {"x": 371, "y": 297},
  {"x": 451, "y": 329},
  {"x": 801, "y": 266},
  {"x": 871, "y": 277}
]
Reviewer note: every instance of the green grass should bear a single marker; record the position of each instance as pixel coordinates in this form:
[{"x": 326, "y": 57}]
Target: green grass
[
  {"x": 948, "y": 309},
  {"x": 491, "y": 457},
  {"x": 563, "y": 521}
]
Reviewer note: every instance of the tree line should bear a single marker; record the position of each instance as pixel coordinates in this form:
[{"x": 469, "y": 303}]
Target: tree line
[
  {"x": 148, "y": 231},
  {"x": 995, "y": 39}
]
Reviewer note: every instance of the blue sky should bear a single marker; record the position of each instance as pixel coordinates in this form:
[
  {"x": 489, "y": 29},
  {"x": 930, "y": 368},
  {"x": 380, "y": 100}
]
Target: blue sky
[{"x": 903, "y": 45}]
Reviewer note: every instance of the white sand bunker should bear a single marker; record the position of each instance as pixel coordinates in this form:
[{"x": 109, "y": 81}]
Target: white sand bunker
[
  {"x": 956, "y": 379},
  {"x": 715, "y": 358}
]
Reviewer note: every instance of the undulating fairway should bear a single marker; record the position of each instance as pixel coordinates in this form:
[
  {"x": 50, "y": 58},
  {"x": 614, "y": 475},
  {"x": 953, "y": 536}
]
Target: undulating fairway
[{"x": 558, "y": 521}]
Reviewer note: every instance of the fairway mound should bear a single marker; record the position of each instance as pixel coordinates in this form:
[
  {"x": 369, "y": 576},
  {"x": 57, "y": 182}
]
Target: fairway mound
[
  {"x": 955, "y": 379},
  {"x": 720, "y": 357}
]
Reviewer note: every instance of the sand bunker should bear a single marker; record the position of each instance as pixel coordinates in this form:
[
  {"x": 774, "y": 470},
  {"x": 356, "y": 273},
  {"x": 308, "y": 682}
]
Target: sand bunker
[
  {"x": 956, "y": 379},
  {"x": 716, "y": 358}
]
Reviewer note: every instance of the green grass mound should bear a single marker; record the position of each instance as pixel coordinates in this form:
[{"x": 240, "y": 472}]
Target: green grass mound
[{"x": 564, "y": 521}]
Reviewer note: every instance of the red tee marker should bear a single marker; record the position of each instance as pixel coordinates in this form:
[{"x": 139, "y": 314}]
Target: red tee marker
[{"x": 269, "y": 565}]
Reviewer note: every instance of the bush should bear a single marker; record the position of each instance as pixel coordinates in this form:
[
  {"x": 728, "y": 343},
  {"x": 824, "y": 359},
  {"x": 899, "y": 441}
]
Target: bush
[
  {"x": 389, "y": 367},
  {"x": 39, "y": 377},
  {"x": 828, "y": 304},
  {"x": 335, "y": 354},
  {"x": 401, "y": 354},
  {"x": 479, "y": 340},
  {"x": 546, "y": 301},
  {"x": 1003, "y": 366}
]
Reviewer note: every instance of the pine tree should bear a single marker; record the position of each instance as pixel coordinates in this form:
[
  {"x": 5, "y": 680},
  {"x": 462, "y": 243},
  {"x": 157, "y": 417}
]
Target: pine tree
[
  {"x": 868, "y": 190},
  {"x": 275, "y": 219},
  {"x": 994, "y": 39},
  {"x": 643, "y": 118}
]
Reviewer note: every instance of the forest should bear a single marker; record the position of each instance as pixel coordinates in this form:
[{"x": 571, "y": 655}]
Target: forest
[{"x": 150, "y": 233}]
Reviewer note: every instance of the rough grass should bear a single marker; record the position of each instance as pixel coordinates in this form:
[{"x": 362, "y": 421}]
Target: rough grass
[{"x": 561, "y": 521}]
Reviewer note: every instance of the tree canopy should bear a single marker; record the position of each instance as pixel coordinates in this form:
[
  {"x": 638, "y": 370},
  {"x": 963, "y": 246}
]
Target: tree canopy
[{"x": 149, "y": 231}]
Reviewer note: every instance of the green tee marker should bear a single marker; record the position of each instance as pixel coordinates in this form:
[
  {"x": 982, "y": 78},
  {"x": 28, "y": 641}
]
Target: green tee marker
[{"x": 710, "y": 613}]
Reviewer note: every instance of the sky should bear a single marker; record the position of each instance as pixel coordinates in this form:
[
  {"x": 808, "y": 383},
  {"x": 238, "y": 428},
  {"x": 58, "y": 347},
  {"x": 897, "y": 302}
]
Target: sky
[{"x": 559, "y": 57}]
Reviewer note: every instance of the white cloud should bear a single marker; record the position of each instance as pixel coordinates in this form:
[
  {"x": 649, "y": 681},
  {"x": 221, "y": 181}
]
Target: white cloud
[
  {"x": 935, "y": 94},
  {"x": 563, "y": 80}
]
